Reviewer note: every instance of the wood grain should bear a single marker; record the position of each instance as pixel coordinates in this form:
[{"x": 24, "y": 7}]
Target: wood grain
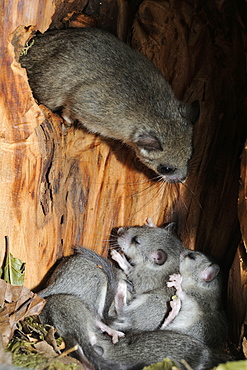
[
  {"x": 237, "y": 286},
  {"x": 63, "y": 187},
  {"x": 200, "y": 50}
]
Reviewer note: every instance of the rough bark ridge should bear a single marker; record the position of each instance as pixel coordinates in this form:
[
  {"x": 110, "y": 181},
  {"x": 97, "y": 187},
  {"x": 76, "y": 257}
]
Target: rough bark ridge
[{"x": 200, "y": 50}]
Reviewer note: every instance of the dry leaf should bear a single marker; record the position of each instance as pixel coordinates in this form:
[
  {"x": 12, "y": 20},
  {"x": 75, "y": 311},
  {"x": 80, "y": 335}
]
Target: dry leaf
[
  {"x": 17, "y": 302},
  {"x": 45, "y": 348},
  {"x": 5, "y": 357},
  {"x": 50, "y": 338}
]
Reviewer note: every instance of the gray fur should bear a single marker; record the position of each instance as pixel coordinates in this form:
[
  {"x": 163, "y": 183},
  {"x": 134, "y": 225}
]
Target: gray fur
[
  {"x": 75, "y": 323},
  {"x": 114, "y": 91},
  {"x": 81, "y": 275},
  {"x": 149, "y": 300},
  {"x": 140, "y": 245},
  {"x": 200, "y": 291},
  {"x": 88, "y": 276}
]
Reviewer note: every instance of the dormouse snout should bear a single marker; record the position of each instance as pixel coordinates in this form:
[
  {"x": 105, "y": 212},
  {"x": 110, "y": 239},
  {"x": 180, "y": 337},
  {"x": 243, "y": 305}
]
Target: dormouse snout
[{"x": 171, "y": 174}]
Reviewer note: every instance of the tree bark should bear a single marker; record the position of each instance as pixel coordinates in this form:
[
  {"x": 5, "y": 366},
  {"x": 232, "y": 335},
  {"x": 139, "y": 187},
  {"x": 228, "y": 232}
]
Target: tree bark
[
  {"x": 61, "y": 188},
  {"x": 237, "y": 287}
]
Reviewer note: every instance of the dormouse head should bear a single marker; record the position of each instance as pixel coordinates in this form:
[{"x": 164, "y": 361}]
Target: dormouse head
[
  {"x": 152, "y": 246},
  {"x": 166, "y": 145},
  {"x": 198, "y": 268}
]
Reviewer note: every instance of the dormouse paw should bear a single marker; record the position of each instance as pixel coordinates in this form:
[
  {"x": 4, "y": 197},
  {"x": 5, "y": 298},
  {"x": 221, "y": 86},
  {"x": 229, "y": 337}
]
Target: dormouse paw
[
  {"x": 121, "y": 261},
  {"x": 175, "y": 281},
  {"x": 175, "y": 304},
  {"x": 115, "y": 255},
  {"x": 121, "y": 296},
  {"x": 115, "y": 334},
  {"x": 67, "y": 117}
]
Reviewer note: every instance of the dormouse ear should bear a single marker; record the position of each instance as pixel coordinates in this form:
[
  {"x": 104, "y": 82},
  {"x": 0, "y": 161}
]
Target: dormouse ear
[
  {"x": 148, "y": 141},
  {"x": 98, "y": 349},
  {"x": 190, "y": 112},
  {"x": 149, "y": 222},
  {"x": 159, "y": 257},
  {"x": 210, "y": 273},
  {"x": 171, "y": 227}
]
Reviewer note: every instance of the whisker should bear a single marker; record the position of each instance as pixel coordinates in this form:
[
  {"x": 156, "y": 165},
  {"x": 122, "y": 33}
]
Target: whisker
[
  {"x": 148, "y": 180},
  {"x": 183, "y": 202},
  {"x": 159, "y": 190},
  {"x": 141, "y": 181},
  {"x": 195, "y": 198},
  {"x": 141, "y": 191}
]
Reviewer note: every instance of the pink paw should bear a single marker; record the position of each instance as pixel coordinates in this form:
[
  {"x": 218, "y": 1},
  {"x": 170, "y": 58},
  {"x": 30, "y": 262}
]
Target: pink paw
[
  {"x": 175, "y": 281},
  {"x": 175, "y": 304},
  {"x": 115, "y": 334},
  {"x": 121, "y": 261}
]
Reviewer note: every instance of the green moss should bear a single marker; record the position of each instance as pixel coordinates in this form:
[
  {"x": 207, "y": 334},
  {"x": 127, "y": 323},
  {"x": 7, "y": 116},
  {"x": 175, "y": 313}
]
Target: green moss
[{"x": 166, "y": 364}]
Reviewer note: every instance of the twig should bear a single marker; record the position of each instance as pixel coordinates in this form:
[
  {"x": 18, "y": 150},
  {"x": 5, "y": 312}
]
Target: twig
[
  {"x": 67, "y": 352},
  {"x": 186, "y": 365}
]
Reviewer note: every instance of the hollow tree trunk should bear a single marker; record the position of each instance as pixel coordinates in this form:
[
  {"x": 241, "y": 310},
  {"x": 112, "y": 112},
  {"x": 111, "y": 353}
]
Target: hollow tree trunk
[{"x": 64, "y": 188}]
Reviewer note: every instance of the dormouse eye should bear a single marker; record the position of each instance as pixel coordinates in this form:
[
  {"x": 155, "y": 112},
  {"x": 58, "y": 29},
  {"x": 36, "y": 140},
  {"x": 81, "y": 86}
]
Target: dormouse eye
[
  {"x": 159, "y": 257},
  {"x": 166, "y": 170},
  {"x": 191, "y": 256},
  {"x": 135, "y": 240}
]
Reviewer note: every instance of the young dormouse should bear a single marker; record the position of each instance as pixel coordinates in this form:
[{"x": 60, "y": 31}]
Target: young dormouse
[
  {"x": 76, "y": 324},
  {"x": 90, "y": 277},
  {"x": 115, "y": 91},
  {"x": 148, "y": 256},
  {"x": 86, "y": 275},
  {"x": 198, "y": 307}
]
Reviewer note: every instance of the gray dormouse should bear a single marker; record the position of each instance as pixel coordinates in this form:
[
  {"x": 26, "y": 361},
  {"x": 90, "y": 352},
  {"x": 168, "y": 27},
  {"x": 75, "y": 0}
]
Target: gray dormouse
[
  {"x": 148, "y": 256},
  {"x": 113, "y": 90},
  {"x": 90, "y": 277},
  {"x": 76, "y": 324},
  {"x": 199, "y": 292},
  {"x": 154, "y": 254},
  {"x": 86, "y": 275}
]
